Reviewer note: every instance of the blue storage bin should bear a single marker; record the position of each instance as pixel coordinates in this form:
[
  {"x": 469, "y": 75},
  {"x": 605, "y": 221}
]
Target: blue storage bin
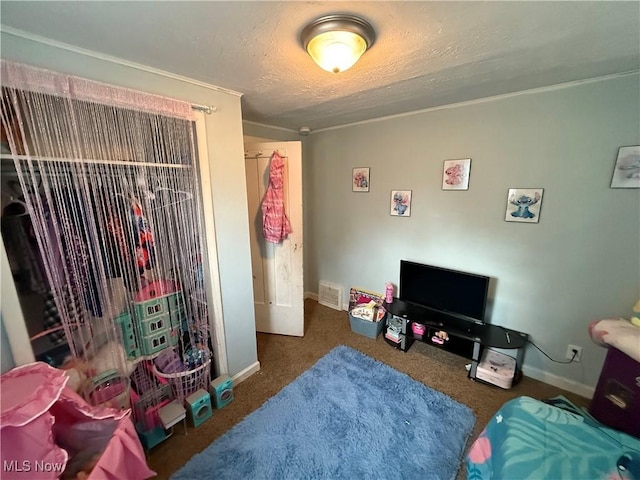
[{"x": 365, "y": 327}]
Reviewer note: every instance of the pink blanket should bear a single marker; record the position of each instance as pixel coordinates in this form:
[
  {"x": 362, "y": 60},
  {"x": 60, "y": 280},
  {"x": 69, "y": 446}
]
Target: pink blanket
[{"x": 47, "y": 429}]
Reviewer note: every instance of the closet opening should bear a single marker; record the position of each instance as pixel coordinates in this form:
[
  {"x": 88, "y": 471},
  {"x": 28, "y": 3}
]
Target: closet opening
[{"x": 105, "y": 229}]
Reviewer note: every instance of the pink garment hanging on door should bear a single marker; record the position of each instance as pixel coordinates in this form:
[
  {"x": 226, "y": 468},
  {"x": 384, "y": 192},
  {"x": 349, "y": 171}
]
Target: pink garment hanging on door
[{"x": 275, "y": 224}]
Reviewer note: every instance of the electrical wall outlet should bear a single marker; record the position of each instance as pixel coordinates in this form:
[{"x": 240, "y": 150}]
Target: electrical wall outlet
[{"x": 570, "y": 349}]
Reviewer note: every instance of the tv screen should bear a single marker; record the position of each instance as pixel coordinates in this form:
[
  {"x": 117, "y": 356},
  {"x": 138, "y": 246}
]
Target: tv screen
[{"x": 442, "y": 289}]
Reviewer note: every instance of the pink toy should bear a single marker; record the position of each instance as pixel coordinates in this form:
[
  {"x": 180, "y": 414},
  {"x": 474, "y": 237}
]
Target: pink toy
[
  {"x": 440, "y": 337},
  {"x": 151, "y": 418},
  {"x": 418, "y": 328},
  {"x": 388, "y": 292},
  {"x": 35, "y": 401},
  {"x": 156, "y": 289}
]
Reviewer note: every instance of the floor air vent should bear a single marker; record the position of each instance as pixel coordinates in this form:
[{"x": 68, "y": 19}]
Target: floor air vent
[{"x": 330, "y": 295}]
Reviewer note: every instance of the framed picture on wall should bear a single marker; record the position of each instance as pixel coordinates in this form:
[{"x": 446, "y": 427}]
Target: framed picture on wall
[
  {"x": 401, "y": 203},
  {"x": 455, "y": 174},
  {"x": 523, "y": 205},
  {"x": 626, "y": 173},
  {"x": 360, "y": 179}
]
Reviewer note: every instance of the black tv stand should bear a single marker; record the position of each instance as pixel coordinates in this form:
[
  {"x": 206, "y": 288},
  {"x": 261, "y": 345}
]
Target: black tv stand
[{"x": 466, "y": 337}]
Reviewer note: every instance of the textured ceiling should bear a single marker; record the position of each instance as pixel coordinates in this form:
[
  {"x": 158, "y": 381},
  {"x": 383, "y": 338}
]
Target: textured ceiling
[{"x": 426, "y": 54}]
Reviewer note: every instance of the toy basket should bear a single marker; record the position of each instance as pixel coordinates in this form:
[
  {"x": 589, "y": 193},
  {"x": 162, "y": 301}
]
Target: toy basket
[{"x": 185, "y": 383}]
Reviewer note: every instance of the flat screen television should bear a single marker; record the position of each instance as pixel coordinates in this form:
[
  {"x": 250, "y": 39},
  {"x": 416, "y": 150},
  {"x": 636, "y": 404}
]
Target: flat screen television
[{"x": 449, "y": 291}]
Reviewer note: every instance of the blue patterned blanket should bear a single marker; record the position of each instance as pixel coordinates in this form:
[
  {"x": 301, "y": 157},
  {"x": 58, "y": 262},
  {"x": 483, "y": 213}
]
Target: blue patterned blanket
[{"x": 531, "y": 439}]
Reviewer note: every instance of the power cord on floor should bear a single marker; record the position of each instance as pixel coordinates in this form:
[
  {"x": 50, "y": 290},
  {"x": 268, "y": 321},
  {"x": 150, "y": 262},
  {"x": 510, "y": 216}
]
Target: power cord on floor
[{"x": 575, "y": 354}]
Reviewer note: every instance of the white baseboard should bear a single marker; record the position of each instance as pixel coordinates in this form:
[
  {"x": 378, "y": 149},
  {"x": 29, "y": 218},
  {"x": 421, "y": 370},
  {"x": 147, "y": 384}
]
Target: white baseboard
[
  {"x": 246, "y": 373},
  {"x": 560, "y": 382}
]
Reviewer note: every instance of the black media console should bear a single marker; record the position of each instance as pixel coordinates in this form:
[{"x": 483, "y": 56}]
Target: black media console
[{"x": 465, "y": 337}]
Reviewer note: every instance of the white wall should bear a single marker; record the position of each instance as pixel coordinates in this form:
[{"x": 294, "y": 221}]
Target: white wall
[
  {"x": 225, "y": 147},
  {"x": 580, "y": 263}
]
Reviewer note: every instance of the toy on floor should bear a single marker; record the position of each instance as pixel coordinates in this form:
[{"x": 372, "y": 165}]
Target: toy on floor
[
  {"x": 199, "y": 407},
  {"x": 221, "y": 390}
]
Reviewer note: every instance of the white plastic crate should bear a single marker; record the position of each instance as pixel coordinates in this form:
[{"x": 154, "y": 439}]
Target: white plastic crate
[{"x": 496, "y": 368}]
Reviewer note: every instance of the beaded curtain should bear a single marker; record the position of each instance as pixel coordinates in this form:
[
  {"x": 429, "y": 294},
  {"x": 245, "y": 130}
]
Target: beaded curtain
[{"x": 110, "y": 181}]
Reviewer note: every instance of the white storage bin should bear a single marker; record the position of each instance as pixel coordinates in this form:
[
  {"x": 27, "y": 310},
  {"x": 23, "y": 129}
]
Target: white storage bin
[{"x": 496, "y": 368}]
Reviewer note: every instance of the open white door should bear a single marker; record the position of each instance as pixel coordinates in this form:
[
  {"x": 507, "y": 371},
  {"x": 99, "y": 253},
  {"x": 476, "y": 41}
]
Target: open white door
[{"x": 277, "y": 268}]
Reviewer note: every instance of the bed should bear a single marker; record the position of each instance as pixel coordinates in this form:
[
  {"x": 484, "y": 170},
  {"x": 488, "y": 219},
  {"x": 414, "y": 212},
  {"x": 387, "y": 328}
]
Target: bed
[{"x": 554, "y": 439}]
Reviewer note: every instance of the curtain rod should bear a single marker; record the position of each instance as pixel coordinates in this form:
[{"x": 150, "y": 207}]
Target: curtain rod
[
  {"x": 205, "y": 108},
  {"x": 107, "y": 163}
]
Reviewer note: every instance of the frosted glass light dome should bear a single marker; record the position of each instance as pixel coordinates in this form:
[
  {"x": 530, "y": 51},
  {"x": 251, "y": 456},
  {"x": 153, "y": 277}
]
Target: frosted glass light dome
[
  {"x": 336, "y": 51},
  {"x": 336, "y": 42}
]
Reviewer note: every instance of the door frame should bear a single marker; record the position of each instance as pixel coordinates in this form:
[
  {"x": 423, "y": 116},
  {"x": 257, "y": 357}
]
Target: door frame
[
  {"x": 213, "y": 287},
  {"x": 260, "y": 149}
]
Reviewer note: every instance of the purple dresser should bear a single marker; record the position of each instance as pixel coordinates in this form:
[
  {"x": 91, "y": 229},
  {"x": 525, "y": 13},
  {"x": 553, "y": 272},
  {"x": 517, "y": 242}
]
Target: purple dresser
[{"x": 616, "y": 402}]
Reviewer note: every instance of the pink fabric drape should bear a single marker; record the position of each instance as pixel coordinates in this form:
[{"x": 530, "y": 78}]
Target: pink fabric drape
[
  {"x": 35, "y": 403},
  {"x": 34, "y": 79},
  {"x": 275, "y": 223}
]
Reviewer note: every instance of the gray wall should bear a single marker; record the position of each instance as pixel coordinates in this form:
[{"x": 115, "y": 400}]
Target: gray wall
[
  {"x": 224, "y": 132},
  {"x": 580, "y": 263}
]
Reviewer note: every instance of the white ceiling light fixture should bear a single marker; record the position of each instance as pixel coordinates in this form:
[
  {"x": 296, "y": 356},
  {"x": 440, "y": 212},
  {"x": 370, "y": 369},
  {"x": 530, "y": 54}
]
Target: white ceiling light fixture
[{"x": 336, "y": 42}]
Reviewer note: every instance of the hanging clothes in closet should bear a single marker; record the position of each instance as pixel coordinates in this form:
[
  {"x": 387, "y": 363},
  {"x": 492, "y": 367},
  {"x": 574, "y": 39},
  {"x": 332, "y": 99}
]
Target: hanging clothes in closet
[
  {"x": 275, "y": 223},
  {"x": 131, "y": 245}
]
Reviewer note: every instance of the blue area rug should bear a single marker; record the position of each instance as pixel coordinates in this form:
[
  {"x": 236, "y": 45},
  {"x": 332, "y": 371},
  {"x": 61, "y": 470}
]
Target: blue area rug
[{"x": 348, "y": 416}]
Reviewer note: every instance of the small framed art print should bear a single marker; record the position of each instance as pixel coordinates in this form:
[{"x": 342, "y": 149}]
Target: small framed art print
[
  {"x": 401, "y": 203},
  {"x": 455, "y": 174},
  {"x": 626, "y": 173},
  {"x": 360, "y": 179},
  {"x": 523, "y": 205}
]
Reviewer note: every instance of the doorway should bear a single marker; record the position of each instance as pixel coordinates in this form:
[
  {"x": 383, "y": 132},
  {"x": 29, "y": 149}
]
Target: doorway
[{"x": 277, "y": 269}]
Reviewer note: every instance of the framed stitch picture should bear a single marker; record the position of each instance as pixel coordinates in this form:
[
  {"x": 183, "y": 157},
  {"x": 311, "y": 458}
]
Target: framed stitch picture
[
  {"x": 523, "y": 205},
  {"x": 401, "y": 203},
  {"x": 360, "y": 179},
  {"x": 455, "y": 174},
  {"x": 626, "y": 173}
]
